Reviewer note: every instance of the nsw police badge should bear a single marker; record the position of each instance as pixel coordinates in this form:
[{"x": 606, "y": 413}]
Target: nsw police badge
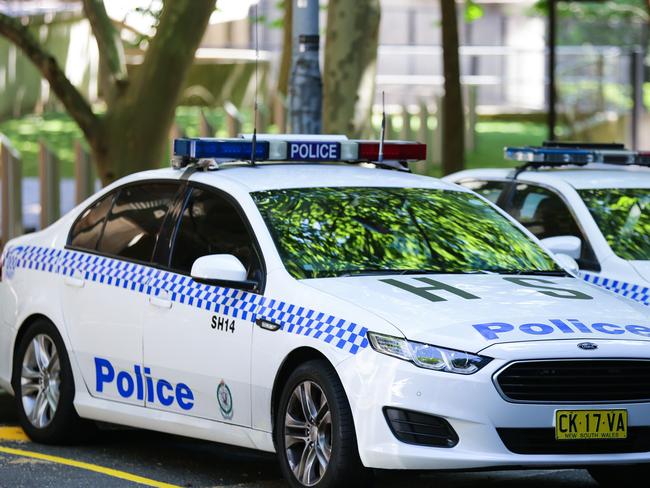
[{"x": 224, "y": 397}]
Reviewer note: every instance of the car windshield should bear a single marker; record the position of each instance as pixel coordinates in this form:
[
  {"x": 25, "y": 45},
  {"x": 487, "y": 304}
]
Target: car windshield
[
  {"x": 328, "y": 232},
  {"x": 623, "y": 216}
]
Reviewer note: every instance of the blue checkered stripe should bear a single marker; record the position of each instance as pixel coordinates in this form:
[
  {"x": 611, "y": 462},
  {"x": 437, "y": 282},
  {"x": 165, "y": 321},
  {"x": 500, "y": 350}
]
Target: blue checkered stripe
[
  {"x": 293, "y": 319},
  {"x": 635, "y": 292},
  {"x": 303, "y": 321}
]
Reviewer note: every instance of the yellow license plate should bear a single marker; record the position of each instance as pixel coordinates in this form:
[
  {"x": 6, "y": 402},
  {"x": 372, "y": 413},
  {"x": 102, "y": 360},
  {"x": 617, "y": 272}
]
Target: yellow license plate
[{"x": 590, "y": 424}]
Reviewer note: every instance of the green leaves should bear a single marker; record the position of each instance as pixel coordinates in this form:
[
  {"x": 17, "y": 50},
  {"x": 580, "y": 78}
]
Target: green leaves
[
  {"x": 473, "y": 11},
  {"x": 324, "y": 232}
]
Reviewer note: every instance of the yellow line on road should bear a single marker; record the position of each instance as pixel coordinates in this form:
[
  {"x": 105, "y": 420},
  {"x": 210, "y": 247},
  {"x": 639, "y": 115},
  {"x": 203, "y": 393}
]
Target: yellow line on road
[
  {"x": 87, "y": 466},
  {"x": 15, "y": 434}
]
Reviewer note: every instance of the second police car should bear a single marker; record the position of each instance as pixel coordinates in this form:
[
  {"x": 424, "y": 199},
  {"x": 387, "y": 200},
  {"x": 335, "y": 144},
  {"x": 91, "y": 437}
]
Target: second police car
[
  {"x": 590, "y": 202},
  {"x": 343, "y": 316}
]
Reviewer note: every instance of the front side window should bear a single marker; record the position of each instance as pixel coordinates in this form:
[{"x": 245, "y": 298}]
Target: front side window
[
  {"x": 88, "y": 228},
  {"x": 208, "y": 225},
  {"x": 623, "y": 216},
  {"x": 326, "y": 232},
  {"x": 135, "y": 220},
  {"x": 544, "y": 214}
]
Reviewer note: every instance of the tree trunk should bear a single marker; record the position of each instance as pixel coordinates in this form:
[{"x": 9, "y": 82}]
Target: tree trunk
[
  {"x": 135, "y": 130},
  {"x": 453, "y": 127},
  {"x": 285, "y": 60},
  {"x": 350, "y": 65}
]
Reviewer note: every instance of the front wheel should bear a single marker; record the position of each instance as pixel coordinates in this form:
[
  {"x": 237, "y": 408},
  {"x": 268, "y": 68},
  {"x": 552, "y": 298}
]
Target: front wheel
[
  {"x": 616, "y": 476},
  {"x": 44, "y": 388},
  {"x": 314, "y": 432}
]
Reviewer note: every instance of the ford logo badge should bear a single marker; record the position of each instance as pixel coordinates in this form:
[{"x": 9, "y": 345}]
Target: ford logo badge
[{"x": 587, "y": 346}]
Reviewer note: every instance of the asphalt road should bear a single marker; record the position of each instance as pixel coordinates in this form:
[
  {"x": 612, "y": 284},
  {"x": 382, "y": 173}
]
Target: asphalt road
[{"x": 117, "y": 457}]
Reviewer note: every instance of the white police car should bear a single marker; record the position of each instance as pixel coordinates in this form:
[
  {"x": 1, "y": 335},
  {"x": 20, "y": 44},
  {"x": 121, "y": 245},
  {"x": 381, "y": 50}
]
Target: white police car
[
  {"x": 343, "y": 316},
  {"x": 588, "y": 201}
]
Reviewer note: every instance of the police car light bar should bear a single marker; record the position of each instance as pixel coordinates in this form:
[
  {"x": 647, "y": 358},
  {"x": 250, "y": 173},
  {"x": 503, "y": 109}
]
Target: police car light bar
[
  {"x": 294, "y": 149},
  {"x": 558, "y": 154}
]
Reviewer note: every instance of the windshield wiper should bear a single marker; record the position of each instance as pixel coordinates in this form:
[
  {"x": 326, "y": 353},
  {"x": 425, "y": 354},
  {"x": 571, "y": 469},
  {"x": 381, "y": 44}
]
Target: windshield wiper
[{"x": 533, "y": 272}]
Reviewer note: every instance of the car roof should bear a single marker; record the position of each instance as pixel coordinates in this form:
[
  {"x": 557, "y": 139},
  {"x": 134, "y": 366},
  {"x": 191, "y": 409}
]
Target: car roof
[
  {"x": 594, "y": 176},
  {"x": 275, "y": 176}
]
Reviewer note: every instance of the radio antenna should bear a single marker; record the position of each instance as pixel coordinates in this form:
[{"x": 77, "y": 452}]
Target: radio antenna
[
  {"x": 382, "y": 135},
  {"x": 257, "y": 56}
]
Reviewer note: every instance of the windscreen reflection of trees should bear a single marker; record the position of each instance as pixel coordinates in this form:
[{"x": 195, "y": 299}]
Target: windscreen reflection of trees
[
  {"x": 623, "y": 216},
  {"x": 323, "y": 232}
]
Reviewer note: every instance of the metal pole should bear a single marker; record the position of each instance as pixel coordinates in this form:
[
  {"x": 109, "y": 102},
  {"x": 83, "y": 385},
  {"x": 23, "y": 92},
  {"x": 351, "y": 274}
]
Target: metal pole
[
  {"x": 49, "y": 183},
  {"x": 305, "y": 87},
  {"x": 636, "y": 78},
  {"x": 12, "y": 193},
  {"x": 552, "y": 38}
]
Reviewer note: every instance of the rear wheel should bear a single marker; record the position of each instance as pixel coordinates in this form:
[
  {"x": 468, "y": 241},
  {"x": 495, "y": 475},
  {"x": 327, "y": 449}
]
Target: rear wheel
[
  {"x": 616, "y": 476},
  {"x": 314, "y": 432},
  {"x": 44, "y": 387}
]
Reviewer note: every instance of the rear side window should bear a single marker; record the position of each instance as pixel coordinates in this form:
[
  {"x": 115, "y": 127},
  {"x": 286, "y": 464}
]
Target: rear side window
[
  {"x": 490, "y": 190},
  {"x": 135, "y": 220},
  {"x": 88, "y": 228}
]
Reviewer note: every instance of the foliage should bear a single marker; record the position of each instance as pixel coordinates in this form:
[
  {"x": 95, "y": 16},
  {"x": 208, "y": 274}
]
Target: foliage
[
  {"x": 324, "y": 232},
  {"x": 615, "y": 23},
  {"x": 623, "y": 216}
]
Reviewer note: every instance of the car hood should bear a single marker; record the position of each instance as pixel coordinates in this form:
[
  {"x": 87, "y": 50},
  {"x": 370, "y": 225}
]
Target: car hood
[
  {"x": 643, "y": 268},
  {"x": 472, "y": 312}
]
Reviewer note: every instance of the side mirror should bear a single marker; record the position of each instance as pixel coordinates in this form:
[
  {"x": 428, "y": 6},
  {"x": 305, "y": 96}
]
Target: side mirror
[
  {"x": 221, "y": 270},
  {"x": 569, "y": 245},
  {"x": 565, "y": 250}
]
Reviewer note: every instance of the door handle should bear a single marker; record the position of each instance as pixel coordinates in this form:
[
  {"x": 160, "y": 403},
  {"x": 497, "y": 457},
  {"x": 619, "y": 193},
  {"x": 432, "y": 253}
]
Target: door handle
[
  {"x": 75, "y": 281},
  {"x": 161, "y": 301}
]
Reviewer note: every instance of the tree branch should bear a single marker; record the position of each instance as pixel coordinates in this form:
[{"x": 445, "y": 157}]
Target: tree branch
[
  {"x": 76, "y": 105},
  {"x": 111, "y": 49}
]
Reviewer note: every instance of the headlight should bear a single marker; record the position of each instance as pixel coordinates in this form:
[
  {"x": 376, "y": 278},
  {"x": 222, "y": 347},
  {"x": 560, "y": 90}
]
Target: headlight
[{"x": 428, "y": 356}]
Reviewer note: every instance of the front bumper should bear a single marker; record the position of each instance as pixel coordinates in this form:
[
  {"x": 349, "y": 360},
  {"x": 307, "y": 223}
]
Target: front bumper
[{"x": 472, "y": 406}]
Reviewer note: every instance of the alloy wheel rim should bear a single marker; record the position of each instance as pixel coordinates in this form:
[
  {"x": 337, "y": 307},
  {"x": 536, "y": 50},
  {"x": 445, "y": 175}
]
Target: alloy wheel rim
[
  {"x": 40, "y": 381},
  {"x": 308, "y": 433}
]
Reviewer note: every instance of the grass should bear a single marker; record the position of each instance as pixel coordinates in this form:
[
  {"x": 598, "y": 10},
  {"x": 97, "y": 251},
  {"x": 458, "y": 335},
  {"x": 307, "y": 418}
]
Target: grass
[{"x": 59, "y": 133}]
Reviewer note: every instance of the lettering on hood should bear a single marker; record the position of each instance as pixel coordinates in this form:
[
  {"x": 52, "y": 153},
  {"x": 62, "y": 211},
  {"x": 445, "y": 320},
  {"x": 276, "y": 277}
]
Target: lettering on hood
[{"x": 499, "y": 330}]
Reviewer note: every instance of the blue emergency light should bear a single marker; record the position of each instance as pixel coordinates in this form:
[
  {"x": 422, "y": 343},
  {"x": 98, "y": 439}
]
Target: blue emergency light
[
  {"x": 220, "y": 149},
  {"x": 580, "y": 154},
  {"x": 298, "y": 148}
]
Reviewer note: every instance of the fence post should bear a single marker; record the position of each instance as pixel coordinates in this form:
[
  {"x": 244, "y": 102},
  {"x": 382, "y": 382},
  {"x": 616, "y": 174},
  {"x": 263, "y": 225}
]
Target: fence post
[
  {"x": 205, "y": 128},
  {"x": 637, "y": 78},
  {"x": 280, "y": 113},
  {"x": 438, "y": 134},
  {"x": 470, "y": 118},
  {"x": 424, "y": 135},
  {"x": 407, "y": 132},
  {"x": 50, "y": 195},
  {"x": 233, "y": 119},
  {"x": 84, "y": 173},
  {"x": 12, "y": 191}
]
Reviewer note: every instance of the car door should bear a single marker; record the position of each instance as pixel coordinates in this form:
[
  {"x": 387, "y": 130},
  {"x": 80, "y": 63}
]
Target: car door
[
  {"x": 107, "y": 265},
  {"x": 199, "y": 335}
]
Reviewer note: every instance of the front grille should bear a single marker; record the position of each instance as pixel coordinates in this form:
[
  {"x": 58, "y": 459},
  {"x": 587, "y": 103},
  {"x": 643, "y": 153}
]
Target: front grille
[
  {"x": 420, "y": 429},
  {"x": 542, "y": 441},
  {"x": 576, "y": 381}
]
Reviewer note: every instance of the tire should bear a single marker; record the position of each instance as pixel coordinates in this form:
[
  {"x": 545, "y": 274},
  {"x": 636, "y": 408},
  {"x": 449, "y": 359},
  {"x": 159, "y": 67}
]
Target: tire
[
  {"x": 44, "y": 388},
  {"x": 617, "y": 475},
  {"x": 331, "y": 431}
]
